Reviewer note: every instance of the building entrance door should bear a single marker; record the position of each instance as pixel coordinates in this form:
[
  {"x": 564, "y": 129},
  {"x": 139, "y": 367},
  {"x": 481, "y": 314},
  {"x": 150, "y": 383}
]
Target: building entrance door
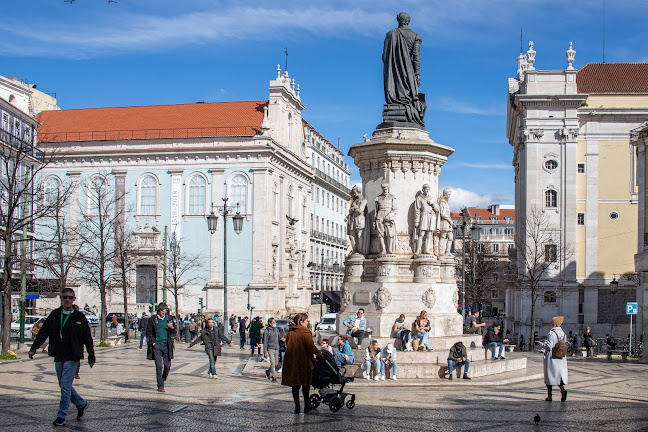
[{"x": 146, "y": 281}]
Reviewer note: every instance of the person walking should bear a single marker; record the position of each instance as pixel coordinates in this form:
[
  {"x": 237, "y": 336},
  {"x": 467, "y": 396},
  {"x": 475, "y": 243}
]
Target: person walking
[
  {"x": 212, "y": 336},
  {"x": 159, "y": 331},
  {"x": 555, "y": 369},
  {"x": 589, "y": 342},
  {"x": 271, "y": 338},
  {"x": 255, "y": 335},
  {"x": 68, "y": 331},
  {"x": 143, "y": 323},
  {"x": 298, "y": 361},
  {"x": 243, "y": 326},
  {"x": 232, "y": 323}
]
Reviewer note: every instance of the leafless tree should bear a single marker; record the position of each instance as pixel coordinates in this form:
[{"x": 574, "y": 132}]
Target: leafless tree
[
  {"x": 125, "y": 262},
  {"x": 183, "y": 268},
  {"x": 102, "y": 217},
  {"x": 539, "y": 247},
  {"x": 480, "y": 266},
  {"x": 23, "y": 202},
  {"x": 56, "y": 249}
]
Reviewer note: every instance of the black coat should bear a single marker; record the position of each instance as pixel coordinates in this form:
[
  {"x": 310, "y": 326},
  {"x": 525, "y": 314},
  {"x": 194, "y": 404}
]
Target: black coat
[
  {"x": 212, "y": 339},
  {"x": 76, "y": 333},
  {"x": 151, "y": 332}
]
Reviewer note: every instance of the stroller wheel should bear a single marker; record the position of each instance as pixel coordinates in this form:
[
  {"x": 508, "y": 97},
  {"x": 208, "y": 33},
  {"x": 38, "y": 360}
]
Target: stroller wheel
[
  {"x": 335, "y": 404},
  {"x": 315, "y": 400},
  {"x": 350, "y": 404}
]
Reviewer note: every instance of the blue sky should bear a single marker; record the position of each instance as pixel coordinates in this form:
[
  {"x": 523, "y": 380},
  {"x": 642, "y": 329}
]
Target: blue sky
[{"x": 142, "y": 52}]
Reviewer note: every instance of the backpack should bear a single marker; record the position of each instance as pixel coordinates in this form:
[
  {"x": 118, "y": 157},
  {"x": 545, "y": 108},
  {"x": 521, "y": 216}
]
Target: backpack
[
  {"x": 193, "y": 326},
  {"x": 559, "y": 350}
]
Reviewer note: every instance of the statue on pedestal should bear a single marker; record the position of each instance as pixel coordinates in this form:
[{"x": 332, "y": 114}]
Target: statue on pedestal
[
  {"x": 445, "y": 225},
  {"x": 402, "y": 76},
  {"x": 384, "y": 224},
  {"x": 356, "y": 222},
  {"x": 425, "y": 221}
]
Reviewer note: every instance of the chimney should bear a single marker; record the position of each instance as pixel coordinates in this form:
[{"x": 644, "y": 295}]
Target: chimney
[{"x": 495, "y": 209}]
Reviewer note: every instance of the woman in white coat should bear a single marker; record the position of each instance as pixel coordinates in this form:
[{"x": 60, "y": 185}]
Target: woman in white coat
[{"x": 555, "y": 369}]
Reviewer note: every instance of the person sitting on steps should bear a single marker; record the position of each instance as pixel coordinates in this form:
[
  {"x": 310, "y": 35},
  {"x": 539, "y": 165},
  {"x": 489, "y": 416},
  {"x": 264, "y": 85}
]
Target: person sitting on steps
[
  {"x": 403, "y": 332},
  {"x": 422, "y": 330},
  {"x": 458, "y": 357},
  {"x": 357, "y": 326}
]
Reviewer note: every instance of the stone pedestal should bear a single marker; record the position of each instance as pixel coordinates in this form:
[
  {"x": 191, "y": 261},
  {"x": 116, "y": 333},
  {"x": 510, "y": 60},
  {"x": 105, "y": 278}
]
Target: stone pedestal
[{"x": 401, "y": 282}]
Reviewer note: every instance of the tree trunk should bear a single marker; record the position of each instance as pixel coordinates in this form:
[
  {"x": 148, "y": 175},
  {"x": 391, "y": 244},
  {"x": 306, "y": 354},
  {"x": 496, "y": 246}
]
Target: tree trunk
[
  {"x": 103, "y": 334},
  {"x": 177, "y": 327},
  {"x": 532, "y": 336},
  {"x": 125, "y": 287},
  {"x": 6, "y": 319}
]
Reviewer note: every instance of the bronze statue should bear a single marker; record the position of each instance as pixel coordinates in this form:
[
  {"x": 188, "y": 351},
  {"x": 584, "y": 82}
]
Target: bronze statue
[{"x": 404, "y": 105}]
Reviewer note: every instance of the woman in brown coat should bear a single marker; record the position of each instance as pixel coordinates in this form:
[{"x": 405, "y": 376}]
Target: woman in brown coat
[{"x": 298, "y": 360}]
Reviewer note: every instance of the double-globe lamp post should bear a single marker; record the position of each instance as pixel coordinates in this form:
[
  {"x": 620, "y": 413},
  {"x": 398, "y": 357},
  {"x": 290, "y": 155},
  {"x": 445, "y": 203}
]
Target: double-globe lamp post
[{"x": 212, "y": 223}]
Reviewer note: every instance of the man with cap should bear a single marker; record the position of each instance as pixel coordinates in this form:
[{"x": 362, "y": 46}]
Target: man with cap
[
  {"x": 160, "y": 331},
  {"x": 388, "y": 359}
]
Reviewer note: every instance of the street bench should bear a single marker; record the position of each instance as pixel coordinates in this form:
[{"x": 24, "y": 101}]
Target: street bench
[
  {"x": 509, "y": 347},
  {"x": 115, "y": 340},
  {"x": 623, "y": 353}
]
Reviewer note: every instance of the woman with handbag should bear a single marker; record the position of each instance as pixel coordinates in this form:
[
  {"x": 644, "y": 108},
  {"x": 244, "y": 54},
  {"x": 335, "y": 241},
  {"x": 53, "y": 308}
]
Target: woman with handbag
[{"x": 555, "y": 366}]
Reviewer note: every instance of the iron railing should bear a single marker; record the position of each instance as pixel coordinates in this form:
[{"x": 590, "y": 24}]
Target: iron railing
[
  {"x": 330, "y": 180},
  {"x": 21, "y": 145},
  {"x": 328, "y": 238}
]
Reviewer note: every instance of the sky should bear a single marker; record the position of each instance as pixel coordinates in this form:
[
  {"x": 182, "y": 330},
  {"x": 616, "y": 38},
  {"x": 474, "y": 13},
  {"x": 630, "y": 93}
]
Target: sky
[{"x": 93, "y": 53}]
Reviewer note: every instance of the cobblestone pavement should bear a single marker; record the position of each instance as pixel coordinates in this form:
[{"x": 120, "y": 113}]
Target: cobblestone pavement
[{"x": 603, "y": 396}]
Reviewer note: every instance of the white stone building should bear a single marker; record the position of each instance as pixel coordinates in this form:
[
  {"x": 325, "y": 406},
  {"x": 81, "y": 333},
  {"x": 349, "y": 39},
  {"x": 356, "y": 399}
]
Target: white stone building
[
  {"x": 173, "y": 162},
  {"x": 569, "y": 130}
]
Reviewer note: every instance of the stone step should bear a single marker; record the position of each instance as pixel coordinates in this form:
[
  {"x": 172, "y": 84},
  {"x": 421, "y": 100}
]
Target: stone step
[{"x": 434, "y": 356}]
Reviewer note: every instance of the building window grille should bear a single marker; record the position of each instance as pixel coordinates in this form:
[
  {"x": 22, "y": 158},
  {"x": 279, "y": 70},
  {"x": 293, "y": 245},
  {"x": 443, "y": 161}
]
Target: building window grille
[
  {"x": 238, "y": 192},
  {"x": 148, "y": 196},
  {"x": 550, "y": 296},
  {"x": 581, "y": 168},
  {"x": 551, "y": 198},
  {"x": 551, "y": 164},
  {"x": 551, "y": 253},
  {"x": 580, "y": 219},
  {"x": 197, "y": 193}
]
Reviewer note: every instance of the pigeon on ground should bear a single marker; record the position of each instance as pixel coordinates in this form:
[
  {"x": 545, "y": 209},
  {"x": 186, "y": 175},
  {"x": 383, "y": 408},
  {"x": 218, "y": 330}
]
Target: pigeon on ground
[{"x": 536, "y": 418}]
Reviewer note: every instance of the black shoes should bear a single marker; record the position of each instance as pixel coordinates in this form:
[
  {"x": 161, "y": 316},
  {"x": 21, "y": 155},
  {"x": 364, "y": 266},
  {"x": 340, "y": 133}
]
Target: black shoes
[
  {"x": 297, "y": 410},
  {"x": 564, "y": 395},
  {"x": 267, "y": 373},
  {"x": 60, "y": 421},
  {"x": 82, "y": 411},
  {"x": 450, "y": 376},
  {"x": 273, "y": 379},
  {"x": 307, "y": 407},
  {"x": 466, "y": 377}
]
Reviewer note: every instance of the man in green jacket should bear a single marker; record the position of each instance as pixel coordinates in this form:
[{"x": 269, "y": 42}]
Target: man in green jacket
[
  {"x": 458, "y": 357},
  {"x": 255, "y": 334}
]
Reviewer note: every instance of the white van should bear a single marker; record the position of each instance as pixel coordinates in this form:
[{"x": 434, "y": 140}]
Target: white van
[{"x": 328, "y": 322}]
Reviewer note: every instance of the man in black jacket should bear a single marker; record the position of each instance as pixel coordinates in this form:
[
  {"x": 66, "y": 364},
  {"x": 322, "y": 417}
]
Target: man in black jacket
[
  {"x": 160, "y": 331},
  {"x": 68, "y": 331},
  {"x": 211, "y": 336},
  {"x": 143, "y": 325}
]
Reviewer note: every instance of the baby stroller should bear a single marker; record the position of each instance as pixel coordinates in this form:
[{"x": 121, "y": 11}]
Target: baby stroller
[{"x": 327, "y": 374}]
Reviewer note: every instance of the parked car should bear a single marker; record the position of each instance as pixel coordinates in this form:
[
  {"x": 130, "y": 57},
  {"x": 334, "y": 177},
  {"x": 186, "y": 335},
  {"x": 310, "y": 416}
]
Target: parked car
[
  {"x": 93, "y": 319},
  {"x": 30, "y": 321},
  {"x": 328, "y": 322},
  {"x": 119, "y": 315},
  {"x": 283, "y": 324}
]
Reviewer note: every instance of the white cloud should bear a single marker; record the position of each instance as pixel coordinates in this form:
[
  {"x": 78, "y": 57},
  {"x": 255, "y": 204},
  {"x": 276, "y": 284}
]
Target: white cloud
[
  {"x": 448, "y": 104},
  {"x": 461, "y": 198}
]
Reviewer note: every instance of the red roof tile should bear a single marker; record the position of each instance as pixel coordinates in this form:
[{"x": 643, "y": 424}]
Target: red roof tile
[
  {"x": 486, "y": 214},
  {"x": 613, "y": 78},
  {"x": 153, "y": 121}
]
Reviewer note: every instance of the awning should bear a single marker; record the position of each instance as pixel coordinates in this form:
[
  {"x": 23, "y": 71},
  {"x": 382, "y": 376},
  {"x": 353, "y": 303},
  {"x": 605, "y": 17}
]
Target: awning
[{"x": 334, "y": 296}]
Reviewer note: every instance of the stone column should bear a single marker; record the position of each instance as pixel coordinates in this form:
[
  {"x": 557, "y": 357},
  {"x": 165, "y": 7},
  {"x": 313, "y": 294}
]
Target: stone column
[{"x": 216, "y": 239}]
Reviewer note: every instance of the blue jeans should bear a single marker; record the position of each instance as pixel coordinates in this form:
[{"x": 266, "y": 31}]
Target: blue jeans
[
  {"x": 452, "y": 364},
  {"x": 212, "y": 362},
  {"x": 492, "y": 345},
  {"x": 340, "y": 360},
  {"x": 424, "y": 338},
  {"x": 65, "y": 372},
  {"x": 368, "y": 364},
  {"x": 162, "y": 362},
  {"x": 383, "y": 365},
  {"x": 142, "y": 336}
]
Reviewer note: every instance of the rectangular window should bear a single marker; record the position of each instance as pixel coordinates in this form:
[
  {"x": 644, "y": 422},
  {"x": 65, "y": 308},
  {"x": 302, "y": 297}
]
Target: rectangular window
[
  {"x": 496, "y": 247},
  {"x": 510, "y": 246},
  {"x": 551, "y": 253},
  {"x": 495, "y": 277},
  {"x": 580, "y": 219},
  {"x": 493, "y": 219},
  {"x": 495, "y": 294},
  {"x": 581, "y": 168},
  {"x": 507, "y": 219}
]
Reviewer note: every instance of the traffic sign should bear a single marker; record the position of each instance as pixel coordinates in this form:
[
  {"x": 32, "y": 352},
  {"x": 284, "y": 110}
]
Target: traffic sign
[{"x": 631, "y": 308}]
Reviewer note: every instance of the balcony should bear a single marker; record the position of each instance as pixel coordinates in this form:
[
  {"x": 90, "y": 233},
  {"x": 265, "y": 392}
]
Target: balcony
[
  {"x": 21, "y": 145},
  {"x": 328, "y": 238},
  {"x": 329, "y": 180}
]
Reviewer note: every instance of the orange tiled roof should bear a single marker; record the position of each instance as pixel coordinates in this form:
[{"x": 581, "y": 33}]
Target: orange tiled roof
[
  {"x": 152, "y": 121},
  {"x": 486, "y": 214},
  {"x": 613, "y": 78}
]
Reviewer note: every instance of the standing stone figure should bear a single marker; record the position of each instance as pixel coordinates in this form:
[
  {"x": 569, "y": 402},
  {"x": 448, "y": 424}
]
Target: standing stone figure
[
  {"x": 445, "y": 225},
  {"x": 385, "y": 224},
  {"x": 425, "y": 221},
  {"x": 402, "y": 75},
  {"x": 356, "y": 222}
]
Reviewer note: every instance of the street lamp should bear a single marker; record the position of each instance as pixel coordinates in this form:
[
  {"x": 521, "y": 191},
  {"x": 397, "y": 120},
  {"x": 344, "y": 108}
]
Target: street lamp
[
  {"x": 212, "y": 223},
  {"x": 614, "y": 285}
]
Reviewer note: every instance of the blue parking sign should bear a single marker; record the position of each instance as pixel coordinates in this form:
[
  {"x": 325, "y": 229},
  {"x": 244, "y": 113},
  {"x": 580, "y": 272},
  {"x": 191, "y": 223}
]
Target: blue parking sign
[{"x": 631, "y": 308}]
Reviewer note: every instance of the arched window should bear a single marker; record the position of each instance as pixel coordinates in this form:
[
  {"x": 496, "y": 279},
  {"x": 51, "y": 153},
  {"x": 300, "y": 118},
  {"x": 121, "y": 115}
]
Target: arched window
[
  {"x": 148, "y": 195},
  {"x": 97, "y": 195},
  {"x": 238, "y": 192},
  {"x": 197, "y": 193},
  {"x": 51, "y": 190},
  {"x": 551, "y": 198}
]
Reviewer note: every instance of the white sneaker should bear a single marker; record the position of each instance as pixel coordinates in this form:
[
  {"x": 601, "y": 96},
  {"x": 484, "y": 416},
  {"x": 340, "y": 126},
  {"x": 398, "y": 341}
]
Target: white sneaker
[
  {"x": 394, "y": 377},
  {"x": 367, "y": 377},
  {"x": 382, "y": 378},
  {"x": 377, "y": 378},
  {"x": 280, "y": 370},
  {"x": 364, "y": 375}
]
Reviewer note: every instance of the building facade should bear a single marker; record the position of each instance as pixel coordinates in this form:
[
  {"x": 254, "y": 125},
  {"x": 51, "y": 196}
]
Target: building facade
[
  {"x": 570, "y": 134},
  {"x": 25, "y": 97},
  {"x": 175, "y": 164},
  {"x": 639, "y": 139},
  {"x": 329, "y": 207}
]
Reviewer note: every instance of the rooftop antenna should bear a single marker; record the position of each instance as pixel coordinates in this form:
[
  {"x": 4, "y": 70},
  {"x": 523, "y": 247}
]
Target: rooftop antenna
[
  {"x": 521, "y": 43},
  {"x": 286, "y": 52},
  {"x": 338, "y": 143},
  {"x": 603, "y": 31}
]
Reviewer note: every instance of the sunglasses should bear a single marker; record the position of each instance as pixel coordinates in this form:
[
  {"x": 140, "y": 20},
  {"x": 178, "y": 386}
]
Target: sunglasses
[{"x": 67, "y": 297}]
